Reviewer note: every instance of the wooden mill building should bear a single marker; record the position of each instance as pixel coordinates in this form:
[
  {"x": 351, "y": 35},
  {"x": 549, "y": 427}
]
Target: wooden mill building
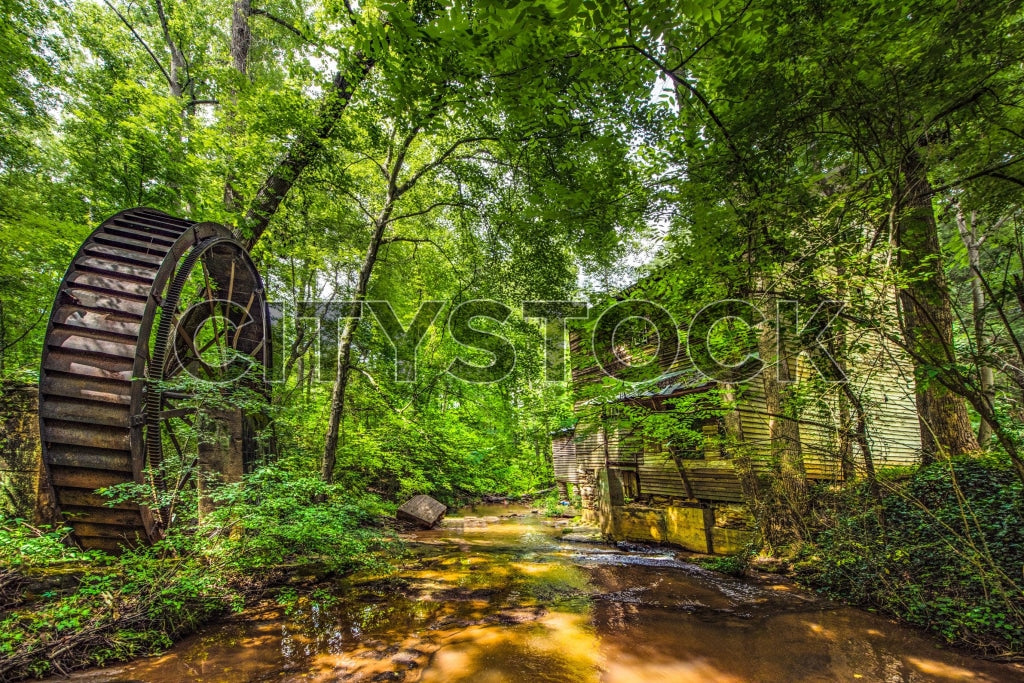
[{"x": 696, "y": 494}]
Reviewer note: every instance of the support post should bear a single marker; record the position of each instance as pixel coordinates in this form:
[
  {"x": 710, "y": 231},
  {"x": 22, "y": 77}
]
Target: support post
[{"x": 220, "y": 456}]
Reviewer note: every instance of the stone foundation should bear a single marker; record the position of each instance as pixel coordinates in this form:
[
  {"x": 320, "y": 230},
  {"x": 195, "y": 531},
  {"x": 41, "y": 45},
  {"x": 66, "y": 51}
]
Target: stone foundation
[
  {"x": 23, "y": 489},
  {"x": 587, "y": 487}
]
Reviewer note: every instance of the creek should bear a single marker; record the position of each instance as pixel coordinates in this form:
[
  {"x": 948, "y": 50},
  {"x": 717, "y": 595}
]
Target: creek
[{"x": 497, "y": 595}]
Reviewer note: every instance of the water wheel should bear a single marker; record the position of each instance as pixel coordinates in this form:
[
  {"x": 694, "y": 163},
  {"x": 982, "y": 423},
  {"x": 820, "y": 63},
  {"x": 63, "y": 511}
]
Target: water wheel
[{"x": 155, "y": 316}]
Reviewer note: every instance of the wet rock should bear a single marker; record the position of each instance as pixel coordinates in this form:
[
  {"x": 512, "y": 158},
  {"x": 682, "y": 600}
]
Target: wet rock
[
  {"x": 451, "y": 623},
  {"x": 464, "y": 594},
  {"x": 582, "y": 535},
  {"x": 423, "y": 511},
  {"x": 463, "y": 523},
  {"x": 409, "y": 660},
  {"x": 512, "y": 617},
  {"x": 773, "y": 565}
]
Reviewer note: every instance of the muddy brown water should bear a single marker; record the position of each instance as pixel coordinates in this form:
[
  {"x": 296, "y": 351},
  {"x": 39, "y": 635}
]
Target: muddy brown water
[{"x": 509, "y": 600}]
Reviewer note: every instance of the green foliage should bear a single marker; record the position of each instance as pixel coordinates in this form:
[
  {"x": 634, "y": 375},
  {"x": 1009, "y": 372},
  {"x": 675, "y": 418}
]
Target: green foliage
[
  {"x": 552, "y": 505},
  {"x": 115, "y": 609},
  {"x": 23, "y": 546},
  {"x": 279, "y": 516},
  {"x": 733, "y": 565},
  {"x": 949, "y": 557}
]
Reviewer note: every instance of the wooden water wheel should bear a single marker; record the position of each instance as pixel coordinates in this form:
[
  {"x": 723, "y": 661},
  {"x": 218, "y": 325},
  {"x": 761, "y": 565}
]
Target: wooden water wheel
[{"x": 153, "y": 311}]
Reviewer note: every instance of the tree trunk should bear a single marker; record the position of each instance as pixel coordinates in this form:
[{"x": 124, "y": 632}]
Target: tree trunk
[
  {"x": 241, "y": 41},
  {"x": 840, "y": 351},
  {"x": 986, "y": 375},
  {"x": 178, "y": 65},
  {"x": 928, "y": 319},
  {"x": 241, "y": 35},
  {"x": 3, "y": 339},
  {"x": 396, "y": 161},
  {"x": 861, "y": 435},
  {"x": 302, "y": 152},
  {"x": 345, "y": 351},
  {"x": 783, "y": 426}
]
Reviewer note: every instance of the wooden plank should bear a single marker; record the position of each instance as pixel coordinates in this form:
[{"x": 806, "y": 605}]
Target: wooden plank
[
  {"x": 87, "y": 388},
  {"x": 118, "y": 306},
  {"x": 80, "y": 478},
  {"x": 122, "y": 270},
  {"x": 120, "y": 255},
  {"x": 136, "y": 241},
  {"x": 110, "y": 545},
  {"x": 86, "y": 498},
  {"x": 109, "y": 285},
  {"x": 74, "y": 316},
  {"x": 95, "y": 458},
  {"x": 89, "y": 412},
  {"x": 103, "y": 367},
  {"x": 87, "y": 341},
  {"x": 93, "y": 436},
  {"x": 147, "y": 226},
  {"x": 88, "y": 529},
  {"x": 129, "y": 518}
]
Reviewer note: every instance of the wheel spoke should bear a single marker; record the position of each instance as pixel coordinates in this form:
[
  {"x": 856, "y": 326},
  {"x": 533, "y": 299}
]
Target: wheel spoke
[
  {"x": 238, "y": 330},
  {"x": 179, "y": 413},
  {"x": 231, "y": 281},
  {"x": 209, "y": 295}
]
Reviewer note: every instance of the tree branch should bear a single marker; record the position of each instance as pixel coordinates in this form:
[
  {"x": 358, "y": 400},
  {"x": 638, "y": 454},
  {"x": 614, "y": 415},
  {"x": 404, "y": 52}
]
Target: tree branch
[
  {"x": 359, "y": 203},
  {"x": 427, "y": 168},
  {"x": 131, "y": 28},
  {"x": 990, "y": 171},
  {"x": 195, "y": 103},
  {"x": 427, "y": 210},
  {"x": 287, "y": 171},
  {"x": 280, "y": 22}
]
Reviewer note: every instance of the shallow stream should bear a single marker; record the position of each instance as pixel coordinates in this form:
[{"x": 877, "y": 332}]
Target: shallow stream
[{"x": 492, "y": 598}]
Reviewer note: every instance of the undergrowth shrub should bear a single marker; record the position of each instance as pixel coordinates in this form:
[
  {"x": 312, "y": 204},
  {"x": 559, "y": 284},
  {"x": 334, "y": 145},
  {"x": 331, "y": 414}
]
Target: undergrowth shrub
[
  {"x": 944, "y": 551},
  {"x": 278, "y": 516},
  {"x": 106, "y": 609},
  {"x": 733, "y": 565}
]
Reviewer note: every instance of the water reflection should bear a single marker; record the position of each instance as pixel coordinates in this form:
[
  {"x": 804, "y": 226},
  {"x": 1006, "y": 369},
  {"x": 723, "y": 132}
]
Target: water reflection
[{"x": 504, "y": 599}]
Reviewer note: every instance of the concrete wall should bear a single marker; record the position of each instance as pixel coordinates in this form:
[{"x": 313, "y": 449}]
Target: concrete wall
[{"x": 723, "y": 529}]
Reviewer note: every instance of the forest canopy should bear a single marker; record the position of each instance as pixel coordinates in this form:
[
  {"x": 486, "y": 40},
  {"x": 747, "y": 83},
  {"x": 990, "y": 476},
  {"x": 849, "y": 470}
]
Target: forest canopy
[{"x": 522, "y": 151}]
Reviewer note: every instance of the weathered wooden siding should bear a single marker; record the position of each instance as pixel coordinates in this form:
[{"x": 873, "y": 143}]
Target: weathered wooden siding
[
  {"x": 563, "y": 451},
  {"x": 659, "y": 474},
  {"x": 625, "y": 447},
  {"x": 886, "y": 386},
  {"x": 820, "y": 425},
  {"x": 713, "y": 481},
  {"x": 880, "y": 378},
  {"x": 589, "y": 442}
]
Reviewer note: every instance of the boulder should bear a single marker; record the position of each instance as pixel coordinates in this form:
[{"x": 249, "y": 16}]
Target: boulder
[{"x": 423, "y": 511}]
